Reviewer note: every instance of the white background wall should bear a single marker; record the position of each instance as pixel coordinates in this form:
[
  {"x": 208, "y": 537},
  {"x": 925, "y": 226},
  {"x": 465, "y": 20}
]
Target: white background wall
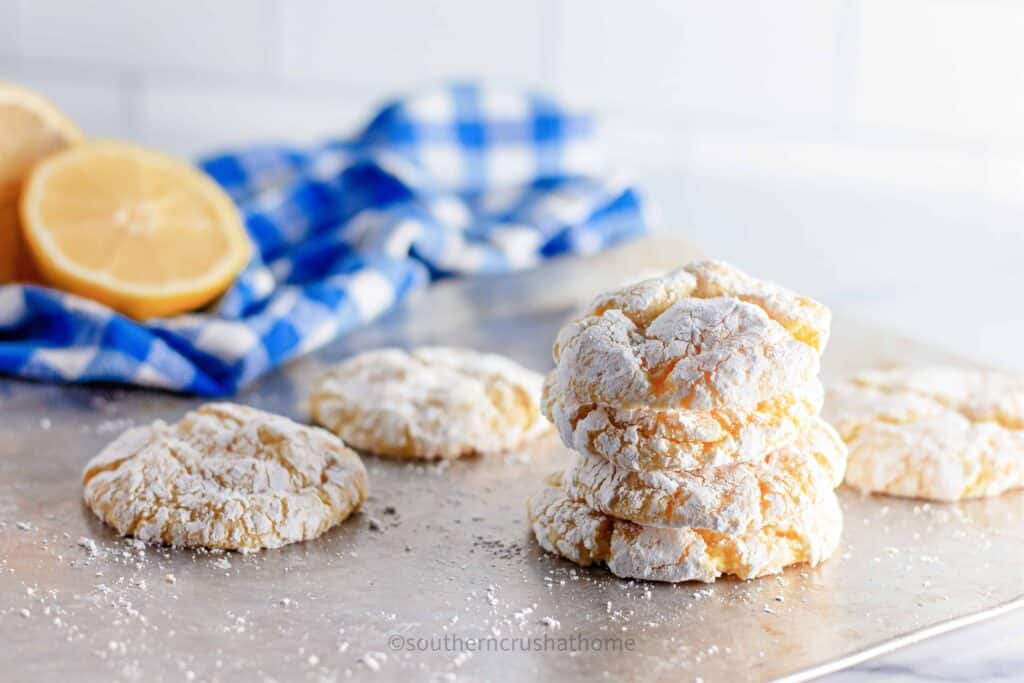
[{"x": 868, "y": 151}]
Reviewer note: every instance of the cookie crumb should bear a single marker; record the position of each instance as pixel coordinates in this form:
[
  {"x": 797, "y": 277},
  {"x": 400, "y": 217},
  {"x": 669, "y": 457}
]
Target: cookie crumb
[{"x": 90, "y": 546}]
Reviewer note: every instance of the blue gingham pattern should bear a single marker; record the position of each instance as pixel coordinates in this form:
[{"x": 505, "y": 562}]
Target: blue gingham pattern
[{"x": 463, "y": 180}]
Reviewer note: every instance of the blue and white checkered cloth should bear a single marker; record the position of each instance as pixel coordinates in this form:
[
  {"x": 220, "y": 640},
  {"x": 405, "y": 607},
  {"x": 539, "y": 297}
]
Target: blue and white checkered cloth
[{"x": 456, "y": 181}]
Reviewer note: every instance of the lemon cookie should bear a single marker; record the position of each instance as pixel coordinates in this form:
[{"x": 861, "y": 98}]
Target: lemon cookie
[
  {"x": 650, "y": 439},
  {"x": 979, "y": 395},
  {"x": 699, "y": 338},
  {"x": 730, "y": 499},
  {"x": 225, "y": 476},
  {"x": 433, "y": 402},
  {"x": 940, "y": 433},
  {"x": 571, "y": 529}
]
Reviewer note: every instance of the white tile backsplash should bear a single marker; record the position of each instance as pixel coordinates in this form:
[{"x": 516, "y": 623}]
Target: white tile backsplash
[
  {"x": 844, "y": 242},
  {"x": 638, "y": 143},
  {"x": 96, "y": 103},
  {"x": 190, "y": 121},
  {"x": 951, "y": 66},
  {"x": 391, "y": 44},
  {"x": 922, "y": 96},
  {"x": 225, "y": 36},
  {"x": 1004, "y": 179},
  {"x": 817, "y": 160},
  {"x": 761, "y": 60},
  {"x": 868, "y": 152},
  {"x": 9, "y": 43}
]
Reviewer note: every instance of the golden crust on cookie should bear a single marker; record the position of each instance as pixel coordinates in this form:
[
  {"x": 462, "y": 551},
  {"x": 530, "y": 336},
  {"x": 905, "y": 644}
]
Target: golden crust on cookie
[
  {"x": 433, "y": 402},
  {"x": 650, "y": 439},
  {"x": 698, "y": 338},
  {"x": 571, "y": 529},
  {"x": 939, "y": 433},
  {"x": 225, "y": 476},
  {"x": 730, "y": 499}
]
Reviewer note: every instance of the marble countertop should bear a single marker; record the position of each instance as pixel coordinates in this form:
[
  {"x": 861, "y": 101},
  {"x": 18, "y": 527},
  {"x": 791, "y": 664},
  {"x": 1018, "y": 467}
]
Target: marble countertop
[{"x": 992, "y": 650}]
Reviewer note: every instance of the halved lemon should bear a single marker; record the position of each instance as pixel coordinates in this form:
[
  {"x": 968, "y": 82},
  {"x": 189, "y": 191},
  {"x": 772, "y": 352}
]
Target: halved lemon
[
  {"x": 30, "y": 129},
  {"x": 134, "y": 229}
]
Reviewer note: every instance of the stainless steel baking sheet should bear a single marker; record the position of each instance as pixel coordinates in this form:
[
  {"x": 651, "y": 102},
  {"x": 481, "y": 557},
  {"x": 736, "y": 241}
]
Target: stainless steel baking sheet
[{"x": 438, "y": 578}]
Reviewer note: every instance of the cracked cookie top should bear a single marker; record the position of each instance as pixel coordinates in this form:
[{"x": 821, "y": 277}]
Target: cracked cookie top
[
  {"x": 701, "y": 337},
  {"x": 433, "y": 402},
  {"x": 225, "y": 476},
  {"x": 935, "y": 433}
]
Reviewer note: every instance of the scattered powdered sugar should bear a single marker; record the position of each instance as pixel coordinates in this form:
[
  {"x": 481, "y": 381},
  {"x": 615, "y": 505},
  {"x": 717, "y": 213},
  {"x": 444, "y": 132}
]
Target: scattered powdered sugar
[
  {"x": 551, "y": 622},
  {"x": 90, "y": 546},
  {"x": 507, "y": 591},
  {"x": 374, "y": 660},
  {"x": 470, "y": 571}
]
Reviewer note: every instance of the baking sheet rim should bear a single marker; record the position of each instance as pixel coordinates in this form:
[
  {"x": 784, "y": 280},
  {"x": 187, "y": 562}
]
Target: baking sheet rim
[{"x": 898, "y": 642}]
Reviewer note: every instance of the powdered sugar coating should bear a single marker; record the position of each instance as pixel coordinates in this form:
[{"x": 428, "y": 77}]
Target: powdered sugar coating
[
  {"x": 649, "y": 439},
  {"x": 939, "y": 433},
  {"x": 804, "y": 318},
  {"x": 730, "y": 499},
  {"x": 698, "y": 338},
  {"x": 225, "y": 476},
  {"x": 569, "y": 528},
  {"x": 979, "y": 395},
  {"x": 433, "y": 402}
]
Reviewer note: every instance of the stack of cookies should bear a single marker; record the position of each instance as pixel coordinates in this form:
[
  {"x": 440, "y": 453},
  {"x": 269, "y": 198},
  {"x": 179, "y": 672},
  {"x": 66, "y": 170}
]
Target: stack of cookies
[{"x": 692, "y": 402}]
